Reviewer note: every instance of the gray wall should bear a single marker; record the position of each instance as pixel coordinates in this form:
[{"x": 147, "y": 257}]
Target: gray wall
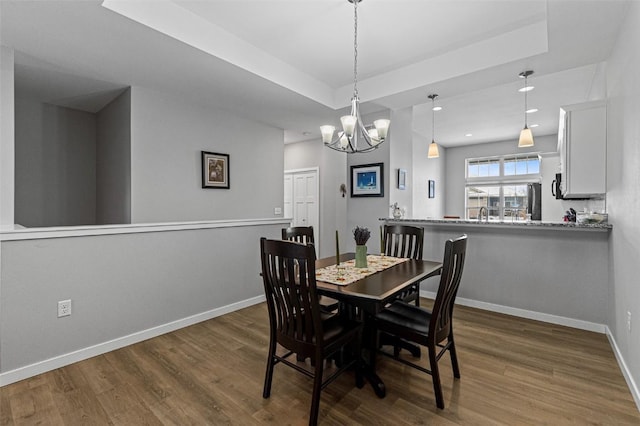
[
  {"x": 424, "y": 170},
  {"x": 555, "y": 272},
  {"x": 7, "y": 152},
  {"x": 119, "y": 285},
  {"x": 332, "y": 167},
  {"x": 623, "y": 190},
  {"x": 167, "y": 137},
  {"x": 401, "y": 157},
  {"x": 113, "y": 162},
  {"x": 366, "y": 211},
  {"x": 55, "y": 165}
]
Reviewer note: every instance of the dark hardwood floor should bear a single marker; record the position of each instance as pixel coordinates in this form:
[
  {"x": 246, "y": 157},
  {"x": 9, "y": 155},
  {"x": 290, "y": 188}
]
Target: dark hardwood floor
[{"x": 514, "y": 371}]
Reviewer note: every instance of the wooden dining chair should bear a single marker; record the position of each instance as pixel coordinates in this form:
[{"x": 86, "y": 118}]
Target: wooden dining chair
[
  {"x": 304, "y": 235},
  {"x": 295, "y": 318},
  {"x": 299, "y": 234},
  {"x": 429, "y": 328},
  {"x": 405, "y": 241}
]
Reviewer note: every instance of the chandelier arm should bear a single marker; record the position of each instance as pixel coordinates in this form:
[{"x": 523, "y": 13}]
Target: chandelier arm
[{"x": 363, "y": 130}]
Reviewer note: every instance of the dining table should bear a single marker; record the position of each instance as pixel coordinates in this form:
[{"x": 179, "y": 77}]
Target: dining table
[{"x": 367, "y": 295}]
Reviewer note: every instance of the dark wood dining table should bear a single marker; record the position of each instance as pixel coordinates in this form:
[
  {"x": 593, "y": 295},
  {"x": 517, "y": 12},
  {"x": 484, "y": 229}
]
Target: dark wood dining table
[{"x": 370, "y": 294}]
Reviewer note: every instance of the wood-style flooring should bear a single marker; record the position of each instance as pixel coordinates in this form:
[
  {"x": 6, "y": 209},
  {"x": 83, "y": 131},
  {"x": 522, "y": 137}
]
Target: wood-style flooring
[{"x": 514, "y": 371}]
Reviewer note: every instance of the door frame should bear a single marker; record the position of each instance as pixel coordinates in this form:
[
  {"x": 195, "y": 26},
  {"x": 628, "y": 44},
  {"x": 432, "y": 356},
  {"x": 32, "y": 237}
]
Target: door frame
[{"x": 315, "y": 169}]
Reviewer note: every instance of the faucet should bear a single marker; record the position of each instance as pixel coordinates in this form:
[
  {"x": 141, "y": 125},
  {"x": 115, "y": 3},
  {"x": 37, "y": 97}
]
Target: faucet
[{"x": 486, "y": 214}]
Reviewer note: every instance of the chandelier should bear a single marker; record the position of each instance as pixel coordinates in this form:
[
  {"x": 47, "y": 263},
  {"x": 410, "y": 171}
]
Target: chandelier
[{"x": 355, "y": 136}]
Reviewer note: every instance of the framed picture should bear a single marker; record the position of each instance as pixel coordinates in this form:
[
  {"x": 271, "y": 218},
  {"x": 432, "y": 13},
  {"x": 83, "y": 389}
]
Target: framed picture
[
  {"x": 215, "y": 170},
  {"x": 402, "y": 178},
  {"x": 367, "y": 180},
  {"x": 432, "y": 189}
]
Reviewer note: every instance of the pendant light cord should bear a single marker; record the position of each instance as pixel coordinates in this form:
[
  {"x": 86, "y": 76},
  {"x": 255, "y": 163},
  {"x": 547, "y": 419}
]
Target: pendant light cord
[
  {"x": 525, "y": 101},
  {"x": 433, "y": 97}
]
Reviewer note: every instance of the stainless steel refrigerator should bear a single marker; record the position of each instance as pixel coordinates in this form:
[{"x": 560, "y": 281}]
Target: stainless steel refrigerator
[{"x": 534, "y": 200}]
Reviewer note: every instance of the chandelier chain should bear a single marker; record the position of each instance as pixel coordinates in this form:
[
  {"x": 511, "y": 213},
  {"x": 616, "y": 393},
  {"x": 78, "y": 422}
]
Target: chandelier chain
[{"x": 355, "y": 47}]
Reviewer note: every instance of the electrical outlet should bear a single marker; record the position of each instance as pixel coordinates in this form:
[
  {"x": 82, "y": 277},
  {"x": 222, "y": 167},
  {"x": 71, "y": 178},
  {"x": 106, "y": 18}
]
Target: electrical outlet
[
  {"x": 277, "y": 210},
  {"x": 64, "y": 308},
  {"x": 629, "y": 321}
]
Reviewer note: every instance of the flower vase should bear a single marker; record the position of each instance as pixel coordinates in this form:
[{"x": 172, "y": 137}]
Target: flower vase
[{"x": 361, "y": 256}]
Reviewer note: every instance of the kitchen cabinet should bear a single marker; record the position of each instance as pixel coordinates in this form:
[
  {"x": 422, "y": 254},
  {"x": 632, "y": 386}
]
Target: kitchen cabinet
[{"x": 582, "y": 143}]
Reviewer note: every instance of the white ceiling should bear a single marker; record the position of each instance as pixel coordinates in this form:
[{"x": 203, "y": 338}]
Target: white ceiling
[{"x": 289, "y": 63}]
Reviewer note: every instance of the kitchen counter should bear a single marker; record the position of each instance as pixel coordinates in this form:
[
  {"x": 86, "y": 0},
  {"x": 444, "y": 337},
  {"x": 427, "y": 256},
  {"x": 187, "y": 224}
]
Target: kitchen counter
[
  {"x": 549, "y": 271},
  {"x": 532, "y": 225}
]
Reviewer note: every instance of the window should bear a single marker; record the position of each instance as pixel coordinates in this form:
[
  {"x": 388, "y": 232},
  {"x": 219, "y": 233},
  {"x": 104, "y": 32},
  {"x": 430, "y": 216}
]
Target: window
[{"x": 500, "y": 185}]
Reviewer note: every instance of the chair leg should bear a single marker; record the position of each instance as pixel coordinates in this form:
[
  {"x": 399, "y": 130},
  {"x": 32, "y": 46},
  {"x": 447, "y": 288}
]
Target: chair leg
[
  {"x": 268, "y": 377},
  {"x": 315, "y": 397},
  {"x": 435, "y": 375},
  {"x": 454, "y": 357},
  {"x": 357, "y": 354}
]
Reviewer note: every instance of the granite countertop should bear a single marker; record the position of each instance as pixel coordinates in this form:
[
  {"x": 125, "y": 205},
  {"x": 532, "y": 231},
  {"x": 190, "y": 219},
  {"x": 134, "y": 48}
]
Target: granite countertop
[{"x": 534, "y": 224}]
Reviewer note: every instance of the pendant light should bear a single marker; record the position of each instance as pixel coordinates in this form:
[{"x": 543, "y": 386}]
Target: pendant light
[
  {"x": 433, "y": 146},
  {"x": 355, "y": 136},
  {"x": 526, "y": 137}
]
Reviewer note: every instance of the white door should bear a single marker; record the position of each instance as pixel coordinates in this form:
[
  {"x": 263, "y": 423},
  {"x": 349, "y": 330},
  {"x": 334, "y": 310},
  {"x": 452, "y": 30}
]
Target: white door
[
  {"x": 301, "y": 200},
  {"x": 288, "y": 195}
]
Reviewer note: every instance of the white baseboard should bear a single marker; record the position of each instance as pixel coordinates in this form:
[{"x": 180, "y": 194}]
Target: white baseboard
[
  {"x": 523, "y": 313},
  {"x": 25, "y": 372},
  {"x": 633, "y": 387}
]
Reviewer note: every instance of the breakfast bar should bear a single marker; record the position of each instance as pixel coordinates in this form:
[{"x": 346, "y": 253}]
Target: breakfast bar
[{"x": 550, "y": 271}]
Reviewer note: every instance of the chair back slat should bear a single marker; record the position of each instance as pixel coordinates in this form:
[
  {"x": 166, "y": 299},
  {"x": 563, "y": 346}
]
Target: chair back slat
[
  {"x": 403, "y": 241},
  {"x": 299, "y": 234},
  {"x": 288, "y": 272},
  {"x": 453, "y": 264}
]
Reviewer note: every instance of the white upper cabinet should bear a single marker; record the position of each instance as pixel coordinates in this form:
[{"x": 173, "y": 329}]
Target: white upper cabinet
[{"x": 582, "y": 142}]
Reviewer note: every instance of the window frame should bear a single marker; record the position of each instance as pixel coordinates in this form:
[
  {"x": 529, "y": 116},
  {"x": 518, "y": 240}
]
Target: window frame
[{"x": 501, "y": 181}]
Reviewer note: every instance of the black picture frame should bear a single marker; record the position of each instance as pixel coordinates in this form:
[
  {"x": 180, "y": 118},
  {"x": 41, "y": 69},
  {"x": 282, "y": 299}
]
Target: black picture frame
[
  {"x": 432, "y": 189},
  {"x": 215, "y": 170},
  {"x": 367, "y": 180},
  {"x": 402, "y": 179}
]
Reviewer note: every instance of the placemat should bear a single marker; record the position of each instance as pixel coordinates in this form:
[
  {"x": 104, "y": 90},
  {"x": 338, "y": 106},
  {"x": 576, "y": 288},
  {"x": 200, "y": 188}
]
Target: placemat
[{"x": 347, "y": 273}]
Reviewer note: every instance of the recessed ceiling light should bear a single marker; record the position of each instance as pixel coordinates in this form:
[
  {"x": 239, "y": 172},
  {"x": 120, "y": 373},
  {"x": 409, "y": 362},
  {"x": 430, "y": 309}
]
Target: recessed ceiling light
[
  {"x": 526, "y": 89},
  {"x": 469, "y": 134},
  {"x": 533, "y": 125},
  {"x": 531, "y": 111},
  {"x": 438, "y": 108}
]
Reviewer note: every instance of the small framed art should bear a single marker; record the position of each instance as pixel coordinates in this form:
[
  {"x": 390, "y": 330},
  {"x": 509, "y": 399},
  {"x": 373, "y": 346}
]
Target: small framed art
[
  {"x": 432, "y": 188},
  {"x": 402, "y": 178},
  {"x": 215, "y": 170},
  {"x": 367, "y": 180}
]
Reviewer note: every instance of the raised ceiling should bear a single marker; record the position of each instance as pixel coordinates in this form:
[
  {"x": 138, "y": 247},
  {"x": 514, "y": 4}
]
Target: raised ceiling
[{"x": 290, "y": 63}]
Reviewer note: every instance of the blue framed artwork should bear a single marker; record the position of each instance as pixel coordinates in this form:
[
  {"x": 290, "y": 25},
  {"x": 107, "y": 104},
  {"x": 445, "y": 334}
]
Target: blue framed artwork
[{"x": 367, "y": 180}]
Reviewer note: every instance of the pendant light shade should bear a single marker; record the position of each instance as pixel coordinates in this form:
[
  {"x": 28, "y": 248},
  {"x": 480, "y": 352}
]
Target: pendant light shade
[
  {"x": 526, "y": 137},
  {"x": 433, "y": 146},
  {"x": 433, "y": 150}
]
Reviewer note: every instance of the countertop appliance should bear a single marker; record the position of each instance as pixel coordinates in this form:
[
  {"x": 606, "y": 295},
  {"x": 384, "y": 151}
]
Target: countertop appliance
[
  {"x": 534, "y": 200},
  {"x": 556, "y": 187}
]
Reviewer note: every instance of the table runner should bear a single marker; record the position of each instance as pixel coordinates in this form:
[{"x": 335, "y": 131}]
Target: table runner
[{"x": 348, "y": 273}]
